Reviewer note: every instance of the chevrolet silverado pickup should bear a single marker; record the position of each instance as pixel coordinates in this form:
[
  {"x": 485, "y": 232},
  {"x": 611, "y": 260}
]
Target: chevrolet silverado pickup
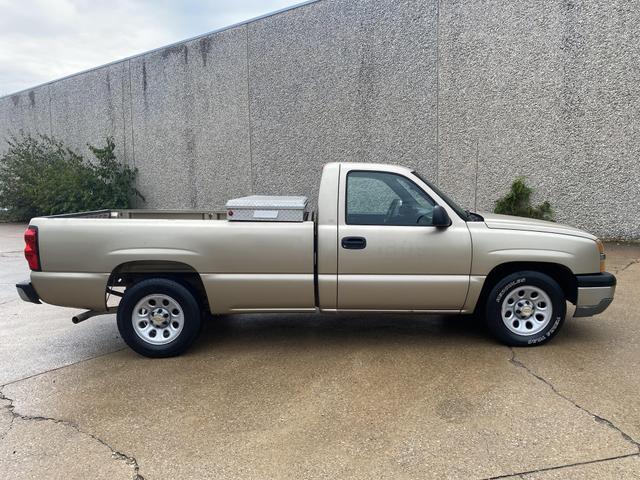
[{"x": 383, "y": 239}]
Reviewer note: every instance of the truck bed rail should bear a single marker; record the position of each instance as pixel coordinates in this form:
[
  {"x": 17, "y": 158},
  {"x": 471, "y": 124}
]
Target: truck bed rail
[
  {"x": 157, "y": 214},
  {"x": 148, "y": 214}
]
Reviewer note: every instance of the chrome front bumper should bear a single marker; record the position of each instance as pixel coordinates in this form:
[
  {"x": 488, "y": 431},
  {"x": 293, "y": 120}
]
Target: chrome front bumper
[{"x": 595, "y": 293}]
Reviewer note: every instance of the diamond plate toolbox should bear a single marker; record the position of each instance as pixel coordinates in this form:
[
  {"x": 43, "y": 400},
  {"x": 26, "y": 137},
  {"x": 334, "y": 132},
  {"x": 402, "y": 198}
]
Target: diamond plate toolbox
[{"x": 265, "y": 208}]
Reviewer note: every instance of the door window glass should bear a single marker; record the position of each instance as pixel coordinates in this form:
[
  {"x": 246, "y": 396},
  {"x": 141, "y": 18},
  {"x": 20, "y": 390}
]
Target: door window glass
[{"x": 381, "y": 198}]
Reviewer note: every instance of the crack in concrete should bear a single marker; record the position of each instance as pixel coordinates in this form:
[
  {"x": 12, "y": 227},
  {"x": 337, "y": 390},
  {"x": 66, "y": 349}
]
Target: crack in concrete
[
  {"x": 597, "y": 418},
  {"x": 632, "y": 262},
  {"x": 115, "y": 454},
  {"x": 6, "y": 432},
  {"x": 59, "y": 368},
  {"x": 523, "y": 475}
]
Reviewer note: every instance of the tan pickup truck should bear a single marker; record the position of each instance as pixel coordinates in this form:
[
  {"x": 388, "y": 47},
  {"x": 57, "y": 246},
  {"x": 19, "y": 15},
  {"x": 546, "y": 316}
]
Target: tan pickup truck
[{"x": 383, "y": 239}]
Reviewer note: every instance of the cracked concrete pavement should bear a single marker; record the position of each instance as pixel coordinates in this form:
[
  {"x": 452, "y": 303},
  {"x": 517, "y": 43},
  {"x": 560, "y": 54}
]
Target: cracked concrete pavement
[
  {"x": 303, "y": 396},
  {"x": 24, "y": 435}
]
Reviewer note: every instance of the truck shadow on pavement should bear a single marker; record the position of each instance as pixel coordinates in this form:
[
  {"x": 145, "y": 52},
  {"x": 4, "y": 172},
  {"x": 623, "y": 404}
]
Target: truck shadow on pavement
[{"x": 326, "y": 329}]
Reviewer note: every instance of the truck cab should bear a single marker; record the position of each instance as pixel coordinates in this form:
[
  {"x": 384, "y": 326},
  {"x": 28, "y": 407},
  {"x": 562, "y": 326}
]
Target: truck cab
[{"x": 379, "y": 247}]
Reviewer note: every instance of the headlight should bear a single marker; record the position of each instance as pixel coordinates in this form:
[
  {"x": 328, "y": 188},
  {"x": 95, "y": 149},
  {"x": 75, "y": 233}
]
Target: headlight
[{"x": 603, "y": 257}]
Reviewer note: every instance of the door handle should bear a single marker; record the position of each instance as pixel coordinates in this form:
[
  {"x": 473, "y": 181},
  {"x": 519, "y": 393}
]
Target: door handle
[{"x": 354, "y": 243}]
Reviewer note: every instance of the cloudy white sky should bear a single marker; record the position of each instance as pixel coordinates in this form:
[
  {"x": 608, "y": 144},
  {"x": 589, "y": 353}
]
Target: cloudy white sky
[{"x": 41, "y": 40}]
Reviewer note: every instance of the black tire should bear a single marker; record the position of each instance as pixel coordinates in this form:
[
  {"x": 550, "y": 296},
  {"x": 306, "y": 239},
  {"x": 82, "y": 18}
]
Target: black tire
[
  {"x": 509, "y": 289},
  {"x": 191, "y": 317}
]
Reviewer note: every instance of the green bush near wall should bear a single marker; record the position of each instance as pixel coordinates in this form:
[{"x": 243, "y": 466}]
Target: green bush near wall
[
  {"x": 40, "y": 176},
  {"x": 518, "y": 202}
]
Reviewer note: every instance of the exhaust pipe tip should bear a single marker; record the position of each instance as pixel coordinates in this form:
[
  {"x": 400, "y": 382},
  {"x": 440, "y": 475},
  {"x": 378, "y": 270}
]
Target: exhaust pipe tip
[{"x": 81, "y": 317}]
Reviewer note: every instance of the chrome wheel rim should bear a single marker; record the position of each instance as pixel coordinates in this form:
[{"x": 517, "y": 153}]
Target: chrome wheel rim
[
  {"x": 526, "y": 310},
  {"x": 157, "y": 319}
]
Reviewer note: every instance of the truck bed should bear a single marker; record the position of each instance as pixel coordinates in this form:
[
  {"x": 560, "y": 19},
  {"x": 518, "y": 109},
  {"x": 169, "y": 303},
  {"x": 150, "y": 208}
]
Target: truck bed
[{"x": 244, "y": 266}]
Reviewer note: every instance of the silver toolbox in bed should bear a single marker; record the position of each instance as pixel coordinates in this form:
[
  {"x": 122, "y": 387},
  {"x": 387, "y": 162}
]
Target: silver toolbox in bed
[{"x": 263, "y": 208}]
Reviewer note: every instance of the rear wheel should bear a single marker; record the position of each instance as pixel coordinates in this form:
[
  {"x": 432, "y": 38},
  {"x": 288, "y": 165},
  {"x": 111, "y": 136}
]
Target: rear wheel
[
  {"x": 159, "y": 318},
  {"x": 525, "y": 308}
]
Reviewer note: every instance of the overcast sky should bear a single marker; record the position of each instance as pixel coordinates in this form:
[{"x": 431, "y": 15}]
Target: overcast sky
[{"x": 41, "y": 40}]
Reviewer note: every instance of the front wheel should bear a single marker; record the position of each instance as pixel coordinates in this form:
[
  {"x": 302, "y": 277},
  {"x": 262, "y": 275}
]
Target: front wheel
[
  {"x": 159, "y": 318},
  {"x": 525, "y": 308}
]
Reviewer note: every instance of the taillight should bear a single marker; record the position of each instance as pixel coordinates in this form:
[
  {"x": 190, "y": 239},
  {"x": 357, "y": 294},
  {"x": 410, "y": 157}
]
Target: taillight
[{"x": 31, "y": 252}]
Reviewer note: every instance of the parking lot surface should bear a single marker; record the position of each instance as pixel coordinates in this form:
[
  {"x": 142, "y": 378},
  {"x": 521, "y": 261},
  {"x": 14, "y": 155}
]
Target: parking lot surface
[{"x": 319, "y": 396}]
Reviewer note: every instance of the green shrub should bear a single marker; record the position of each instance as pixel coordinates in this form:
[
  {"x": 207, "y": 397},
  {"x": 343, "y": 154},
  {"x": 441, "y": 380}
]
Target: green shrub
[
  {"x": 518, "y": 202},
  {"x": 40, "y": 176}
]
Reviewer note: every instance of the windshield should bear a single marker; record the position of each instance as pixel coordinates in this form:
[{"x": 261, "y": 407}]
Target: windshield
[{"x": 462, "y": 213}]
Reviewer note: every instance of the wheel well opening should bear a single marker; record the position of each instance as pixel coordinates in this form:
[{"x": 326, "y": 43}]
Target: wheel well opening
[
  {"x": 561, "y": 274},
  {"x": 127, "y": 274}
]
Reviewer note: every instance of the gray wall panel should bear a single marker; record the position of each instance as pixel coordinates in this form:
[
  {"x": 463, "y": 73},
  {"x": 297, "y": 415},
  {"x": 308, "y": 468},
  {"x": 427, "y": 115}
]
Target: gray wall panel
[
  {"x": 85, "y": 109},
  {"x": 600, "y": 105},
  {"x": 25, "y": 111},
  {"x": 190, "y": 122},
  {"x": 547, "y": 90},
  {"x": 499, "y": 84},
  {"x": 341, "y": 81}
]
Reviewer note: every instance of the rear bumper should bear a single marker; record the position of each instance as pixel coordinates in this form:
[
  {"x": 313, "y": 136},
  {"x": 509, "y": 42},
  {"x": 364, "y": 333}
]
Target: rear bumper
[
  {"x": 595, "y": 293},
  {"x": 27, "y": 292}
]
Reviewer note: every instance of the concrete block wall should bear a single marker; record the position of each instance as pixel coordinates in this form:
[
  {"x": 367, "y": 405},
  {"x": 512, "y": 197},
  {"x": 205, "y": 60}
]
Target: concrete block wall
[{"x": 472, "y": 93}]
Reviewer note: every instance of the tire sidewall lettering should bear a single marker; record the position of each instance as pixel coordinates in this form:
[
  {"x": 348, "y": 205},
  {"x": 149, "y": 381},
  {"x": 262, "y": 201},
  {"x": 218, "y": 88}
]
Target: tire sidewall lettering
[
  {"x": 508, "y": 287},
  {"x": 547, "y": 334}
]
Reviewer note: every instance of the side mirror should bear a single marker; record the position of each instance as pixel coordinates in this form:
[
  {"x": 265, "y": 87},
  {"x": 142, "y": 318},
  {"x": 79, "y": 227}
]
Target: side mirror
[{"x": 440, "y": 217}]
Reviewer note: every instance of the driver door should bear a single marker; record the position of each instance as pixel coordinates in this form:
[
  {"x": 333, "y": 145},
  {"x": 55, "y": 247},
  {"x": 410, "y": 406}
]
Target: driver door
[{"x": 390, "y": 257}]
